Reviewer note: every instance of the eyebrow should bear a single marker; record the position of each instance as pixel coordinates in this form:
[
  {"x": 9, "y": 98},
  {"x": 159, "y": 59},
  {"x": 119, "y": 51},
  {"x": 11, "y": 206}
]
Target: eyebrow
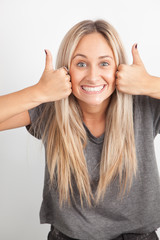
[{"x": 82, "y": 55}]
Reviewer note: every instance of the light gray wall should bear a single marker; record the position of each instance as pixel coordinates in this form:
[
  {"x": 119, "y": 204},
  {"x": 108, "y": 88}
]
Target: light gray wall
[{"x": 27, "y": 28}]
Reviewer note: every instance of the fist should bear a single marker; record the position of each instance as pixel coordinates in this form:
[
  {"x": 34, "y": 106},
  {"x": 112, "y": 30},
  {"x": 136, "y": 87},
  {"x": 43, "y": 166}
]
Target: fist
[
  {"x": 53, "y": 85},
  {"x": 133, "y": 79}
]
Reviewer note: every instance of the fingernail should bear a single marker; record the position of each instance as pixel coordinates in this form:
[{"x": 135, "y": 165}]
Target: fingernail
[
  {"x": 45, "y": 52},
  {"x": 136, "y": 46},
  {"x": 66, "y": 69}
]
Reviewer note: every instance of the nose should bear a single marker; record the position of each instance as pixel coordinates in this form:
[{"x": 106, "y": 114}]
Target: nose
[{"x": 93, "y": 74}]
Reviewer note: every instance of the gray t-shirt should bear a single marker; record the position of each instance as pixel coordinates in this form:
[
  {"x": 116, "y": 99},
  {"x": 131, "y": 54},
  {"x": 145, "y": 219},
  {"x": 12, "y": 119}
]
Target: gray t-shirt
[{"x": 138, "y": 212}]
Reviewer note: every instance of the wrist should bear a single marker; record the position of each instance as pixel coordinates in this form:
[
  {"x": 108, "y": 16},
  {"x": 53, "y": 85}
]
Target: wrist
[
  {"x": 153, "y": 87},
  {"x": 37, "y": 94}
]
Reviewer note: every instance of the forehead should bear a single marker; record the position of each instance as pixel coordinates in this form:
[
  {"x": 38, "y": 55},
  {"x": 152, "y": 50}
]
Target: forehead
[{"x": 93, "y": 43}]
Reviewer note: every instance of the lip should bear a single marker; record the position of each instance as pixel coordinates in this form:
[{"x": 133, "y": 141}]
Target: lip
[{"x": 93, "y": 92}]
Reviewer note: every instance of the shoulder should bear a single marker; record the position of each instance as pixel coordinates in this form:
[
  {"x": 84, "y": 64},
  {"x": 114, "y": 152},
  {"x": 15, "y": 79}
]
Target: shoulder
[
  {"x": 40, "y": 117},
  {"x": 147, "y": 109},
  {"x": 146, "y": 103},
  {"x": 143, "y": 100}
]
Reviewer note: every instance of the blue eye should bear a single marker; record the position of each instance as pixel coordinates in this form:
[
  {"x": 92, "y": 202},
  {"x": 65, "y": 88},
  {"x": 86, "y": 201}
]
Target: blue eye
[
  {"x": 81, "y": 64},
  {"x": 104, "y": 64}
]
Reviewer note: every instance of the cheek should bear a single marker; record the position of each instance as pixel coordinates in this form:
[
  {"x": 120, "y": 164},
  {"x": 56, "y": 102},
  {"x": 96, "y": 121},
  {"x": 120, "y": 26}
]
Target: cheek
[
  {"x": 111, "y": 77},
  {"x": 75, "y": 82},
  {"x": 76, "y": 77}
]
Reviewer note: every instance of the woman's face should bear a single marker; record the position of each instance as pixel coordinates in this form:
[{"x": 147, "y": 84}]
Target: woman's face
[{"x": 93, "y": 70}]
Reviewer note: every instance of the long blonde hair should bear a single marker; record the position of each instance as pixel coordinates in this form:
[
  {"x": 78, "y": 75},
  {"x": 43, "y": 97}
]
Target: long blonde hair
[{"x": 65, "y": 136}]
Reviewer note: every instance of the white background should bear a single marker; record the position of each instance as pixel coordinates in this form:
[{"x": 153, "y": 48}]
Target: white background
[{"x": 27, "y": 28}]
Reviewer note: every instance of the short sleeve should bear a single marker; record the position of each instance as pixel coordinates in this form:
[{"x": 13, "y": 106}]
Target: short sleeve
[
  {"x": 155, "y": 109},
  {"x": 36, "y": 128}
]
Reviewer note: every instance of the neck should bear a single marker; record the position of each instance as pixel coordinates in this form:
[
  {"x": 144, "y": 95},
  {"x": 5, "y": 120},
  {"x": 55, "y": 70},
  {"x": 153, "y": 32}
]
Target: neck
[{"x": 94, "y": 117}]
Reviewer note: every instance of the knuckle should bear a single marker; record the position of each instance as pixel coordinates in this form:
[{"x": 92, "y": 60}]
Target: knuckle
[
  {"x": 118, "y": 75},
  {"x": 121, "y": 67},
  {"x": 63, "y": 70},
  {"x": 121, "y": 73},
  {"x": 68, "y": 78},
  {"x": 70, "y": 91},
  {"x": 117, "y": 83},
  {"x": 67, "y": 93},
  {"x": 66, "y": 87},
  {"x": 60, "y": 70}
]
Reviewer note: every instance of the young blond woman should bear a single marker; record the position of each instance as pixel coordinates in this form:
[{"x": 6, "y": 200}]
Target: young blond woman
[{"x": 97, "y": 117}]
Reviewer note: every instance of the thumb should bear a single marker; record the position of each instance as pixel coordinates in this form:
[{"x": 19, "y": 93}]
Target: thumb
[
  {"x": 136, "y": 57},
  {"x": 49, "y": 61}
]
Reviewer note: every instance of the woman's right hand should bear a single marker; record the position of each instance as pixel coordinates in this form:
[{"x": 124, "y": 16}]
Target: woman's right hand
[{"x": 54, "y": 84}]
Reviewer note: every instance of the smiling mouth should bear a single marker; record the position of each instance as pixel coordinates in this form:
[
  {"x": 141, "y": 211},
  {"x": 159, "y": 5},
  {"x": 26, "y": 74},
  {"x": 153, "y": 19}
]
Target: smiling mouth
[{"x": 96, "y": 89}]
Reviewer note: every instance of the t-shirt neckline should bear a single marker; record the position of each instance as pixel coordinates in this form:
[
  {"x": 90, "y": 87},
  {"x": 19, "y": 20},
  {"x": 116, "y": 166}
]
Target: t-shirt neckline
[{"x": 97, "y": 140}]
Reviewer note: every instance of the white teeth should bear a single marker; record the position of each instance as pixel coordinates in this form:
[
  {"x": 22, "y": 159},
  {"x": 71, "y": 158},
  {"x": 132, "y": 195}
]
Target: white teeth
[{"x": 93, "y": 89}]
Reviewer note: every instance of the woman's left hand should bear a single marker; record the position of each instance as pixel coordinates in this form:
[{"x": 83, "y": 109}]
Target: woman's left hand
[{"x": 133, "y": 79}]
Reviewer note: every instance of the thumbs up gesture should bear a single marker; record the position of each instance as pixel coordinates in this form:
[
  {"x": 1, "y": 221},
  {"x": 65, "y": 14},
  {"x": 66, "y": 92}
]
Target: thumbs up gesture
[
  {"x": 133, "y": 79},
  {"x": 53, "y": 84}
]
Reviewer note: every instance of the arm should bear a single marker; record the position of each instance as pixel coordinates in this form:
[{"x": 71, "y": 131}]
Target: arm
[
  {"x": 134, "y": 79},
  {"x": 19, "y": 120},
  {"x": 18, "y": 102},
  {"x": 153, "y": 87},
  {"x": 53, "y": 85}
]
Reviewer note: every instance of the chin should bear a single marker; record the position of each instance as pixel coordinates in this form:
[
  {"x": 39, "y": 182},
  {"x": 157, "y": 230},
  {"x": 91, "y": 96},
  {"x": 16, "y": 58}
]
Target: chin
[{"x": 96, "y": 103}]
